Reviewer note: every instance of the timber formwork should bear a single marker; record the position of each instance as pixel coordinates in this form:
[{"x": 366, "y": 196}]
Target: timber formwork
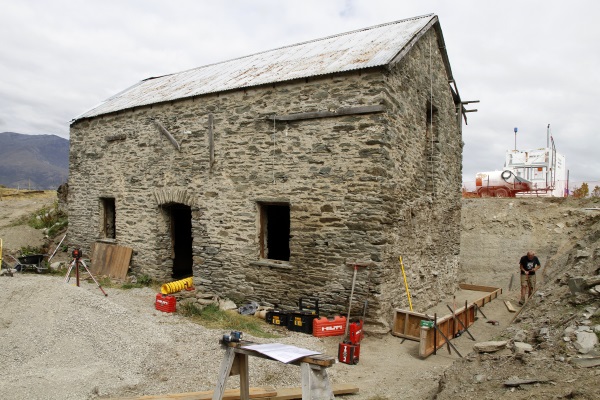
[{"x": 408, "y": 324}]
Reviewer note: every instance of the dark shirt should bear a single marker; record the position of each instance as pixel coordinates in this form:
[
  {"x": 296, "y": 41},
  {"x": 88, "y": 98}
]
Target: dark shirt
[{"x": 529, "y": 265}]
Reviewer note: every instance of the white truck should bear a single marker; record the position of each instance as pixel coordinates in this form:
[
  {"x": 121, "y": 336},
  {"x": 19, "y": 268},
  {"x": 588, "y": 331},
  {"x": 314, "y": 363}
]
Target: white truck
[{"x": 500, "y": 184}]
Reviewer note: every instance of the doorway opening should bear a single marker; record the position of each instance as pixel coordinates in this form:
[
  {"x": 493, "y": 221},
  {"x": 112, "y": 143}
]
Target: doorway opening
[{"x": 181, "y": 240}]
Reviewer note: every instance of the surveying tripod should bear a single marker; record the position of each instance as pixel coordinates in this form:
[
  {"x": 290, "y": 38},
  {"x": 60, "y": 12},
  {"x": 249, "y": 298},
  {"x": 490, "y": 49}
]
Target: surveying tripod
[{"x": 77, "y": 261}]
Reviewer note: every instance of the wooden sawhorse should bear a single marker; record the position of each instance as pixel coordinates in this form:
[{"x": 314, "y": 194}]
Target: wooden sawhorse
[{"x": 315, "y": 381}]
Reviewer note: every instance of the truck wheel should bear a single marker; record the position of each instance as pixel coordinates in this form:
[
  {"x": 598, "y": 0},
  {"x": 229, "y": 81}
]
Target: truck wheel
[
  {"x": 484, "y": 193},
  {"x": 501, "y": 193}
]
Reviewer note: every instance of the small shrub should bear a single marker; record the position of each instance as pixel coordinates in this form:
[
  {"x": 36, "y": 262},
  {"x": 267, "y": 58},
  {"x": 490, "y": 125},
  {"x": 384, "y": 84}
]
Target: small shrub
[
  {"x": 142, "y": 281},
  {"x": 29, "y": 250},
  {"x": 51, "y": 218},
  {"x": 145, "y": 280}
]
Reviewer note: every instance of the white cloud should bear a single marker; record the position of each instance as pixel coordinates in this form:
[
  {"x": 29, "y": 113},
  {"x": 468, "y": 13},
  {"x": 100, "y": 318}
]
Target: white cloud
[{"x": 530, "y": 63}]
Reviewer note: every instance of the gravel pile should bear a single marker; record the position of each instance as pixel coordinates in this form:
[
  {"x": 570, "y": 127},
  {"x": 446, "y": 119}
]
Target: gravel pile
[{"x": 60, "y": 341}]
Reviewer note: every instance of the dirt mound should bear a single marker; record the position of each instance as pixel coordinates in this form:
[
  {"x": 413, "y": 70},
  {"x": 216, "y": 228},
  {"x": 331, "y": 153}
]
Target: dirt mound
[{"x": 556, "y": 321}]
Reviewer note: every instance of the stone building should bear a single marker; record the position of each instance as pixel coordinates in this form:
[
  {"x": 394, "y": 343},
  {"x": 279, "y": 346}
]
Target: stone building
[{"x": 268, "y": 176}]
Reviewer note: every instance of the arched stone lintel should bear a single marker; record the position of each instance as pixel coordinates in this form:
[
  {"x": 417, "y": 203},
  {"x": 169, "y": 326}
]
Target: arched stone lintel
[{"x": 169, "y": 196}]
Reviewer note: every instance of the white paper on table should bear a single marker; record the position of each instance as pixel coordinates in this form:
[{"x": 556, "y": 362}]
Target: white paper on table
[{"x": 281, "y": 352}]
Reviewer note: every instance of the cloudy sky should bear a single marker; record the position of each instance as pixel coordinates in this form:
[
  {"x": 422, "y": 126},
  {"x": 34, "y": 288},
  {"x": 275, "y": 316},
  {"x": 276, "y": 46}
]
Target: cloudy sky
[{"x": 530, "y": 63}]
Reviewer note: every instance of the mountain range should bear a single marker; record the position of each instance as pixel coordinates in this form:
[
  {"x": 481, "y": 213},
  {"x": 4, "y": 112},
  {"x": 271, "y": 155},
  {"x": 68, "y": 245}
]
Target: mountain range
[{"x": 33, "y": 161}]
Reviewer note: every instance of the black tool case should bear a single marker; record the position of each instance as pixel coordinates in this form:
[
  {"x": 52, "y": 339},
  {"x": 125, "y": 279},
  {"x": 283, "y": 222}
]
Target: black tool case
[
  {"x": 278, "y": 317},
  {"x": 301, "y": 320}
]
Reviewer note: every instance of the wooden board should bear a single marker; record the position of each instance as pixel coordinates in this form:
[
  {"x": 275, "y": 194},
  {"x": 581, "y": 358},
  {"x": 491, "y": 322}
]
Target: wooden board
[
  {"x": 407, "y": 324},
  {"x": 477, "y": 288},
  {"x": 110, "y": 260},
  {"x": 328, "y": 114},
  {"x": 230, "y": 394},
  {"x": 267, "y": 393},
  {"x": 296, "y": 393},
  {"x": 509, "y": 306},
  {"x": 431, "y": 341}
]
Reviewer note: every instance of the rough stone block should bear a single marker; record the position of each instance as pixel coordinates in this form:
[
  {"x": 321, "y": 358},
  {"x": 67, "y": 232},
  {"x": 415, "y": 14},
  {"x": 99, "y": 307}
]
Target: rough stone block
[{"x": 490, "y": 347}]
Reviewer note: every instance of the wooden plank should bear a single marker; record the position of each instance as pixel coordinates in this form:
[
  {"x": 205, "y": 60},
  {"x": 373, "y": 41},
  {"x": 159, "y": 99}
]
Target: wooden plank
[
  {"x": 110, "y": 260},
  {"x": 407, "y": 324},
  {"x": 448, "y": 326},
  {"x": 229, "y": 394},
  {"x": 509, "y": 306},
  {"x": 477, "y": 288},
  {"x": 296, "y": 392},
  {"x": 328, "y": 114},
  {"x": 267, "y": 393}
]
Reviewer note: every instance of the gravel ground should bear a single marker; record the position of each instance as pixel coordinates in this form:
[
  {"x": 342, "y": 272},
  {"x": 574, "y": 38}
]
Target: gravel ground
[{"x": 60, "y": 341}]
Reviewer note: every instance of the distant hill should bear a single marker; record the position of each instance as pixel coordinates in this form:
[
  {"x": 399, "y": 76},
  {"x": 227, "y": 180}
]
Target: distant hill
[{"x": 33, "y": 161}]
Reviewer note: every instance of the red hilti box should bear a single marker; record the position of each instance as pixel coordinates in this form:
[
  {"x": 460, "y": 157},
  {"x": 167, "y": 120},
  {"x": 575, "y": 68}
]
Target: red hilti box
[
  {"x": 165, "y": 303},
  {"x": 329, "y": 327},
  {"x": 349, "y": 353},
  {"x": 355, "y": 332}
]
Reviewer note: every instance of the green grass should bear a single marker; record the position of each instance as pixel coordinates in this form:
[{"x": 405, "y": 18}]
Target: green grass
[
  {"x": 50, "y": 218},
  {"x": 142, "y": 281},
  {"x": 212, "y": 317}
]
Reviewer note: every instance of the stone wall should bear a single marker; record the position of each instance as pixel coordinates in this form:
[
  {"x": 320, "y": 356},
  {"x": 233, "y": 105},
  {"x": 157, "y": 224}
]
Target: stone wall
[
  {"x": 349, "y": 180},
  {"x": 424, "y": 224}
]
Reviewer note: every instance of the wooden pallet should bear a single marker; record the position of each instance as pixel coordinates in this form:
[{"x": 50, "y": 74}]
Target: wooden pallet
[{"x": 407, "y": 324}]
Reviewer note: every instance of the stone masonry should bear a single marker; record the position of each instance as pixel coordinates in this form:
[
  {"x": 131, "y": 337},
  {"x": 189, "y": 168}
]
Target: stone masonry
[{"x": 367, "y": 187}]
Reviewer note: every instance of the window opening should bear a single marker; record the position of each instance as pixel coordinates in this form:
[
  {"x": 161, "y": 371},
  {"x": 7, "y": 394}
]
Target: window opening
[
  {"x": 275, "y": 231},
  {"x": 108, "y": 218}
]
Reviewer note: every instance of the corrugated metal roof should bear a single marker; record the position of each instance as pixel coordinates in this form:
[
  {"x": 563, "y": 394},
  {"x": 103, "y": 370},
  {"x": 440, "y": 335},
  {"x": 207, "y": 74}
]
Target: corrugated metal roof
[{"x": 364, "y": 48}]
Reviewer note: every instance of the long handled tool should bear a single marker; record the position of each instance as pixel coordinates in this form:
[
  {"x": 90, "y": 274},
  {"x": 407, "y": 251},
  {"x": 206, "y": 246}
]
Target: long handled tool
[
  {"x": 350, "y": 301},
  {"x": 54, "y": 252},
  {"x": 405, "y": 284},
  {"x": 349, "y": 348}
]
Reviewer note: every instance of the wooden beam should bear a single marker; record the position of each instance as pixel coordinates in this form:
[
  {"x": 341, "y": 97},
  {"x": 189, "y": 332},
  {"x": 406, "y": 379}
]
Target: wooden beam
[
  {"x": 328, "y": 114},
  {"x": 167, "y": 134},
  {"x": 211, "y": 141},
  {"x": 296, "y": 393},
  {"x": 114, "y": 138},
  {"x": 477, "y": 288},
  {"x": 229, "y": 394},
  {"x": 268, "y": 393}
]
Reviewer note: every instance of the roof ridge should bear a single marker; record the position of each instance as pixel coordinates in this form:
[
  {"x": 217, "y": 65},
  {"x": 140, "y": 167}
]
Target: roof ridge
[{"x": 295, "y": 44}]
